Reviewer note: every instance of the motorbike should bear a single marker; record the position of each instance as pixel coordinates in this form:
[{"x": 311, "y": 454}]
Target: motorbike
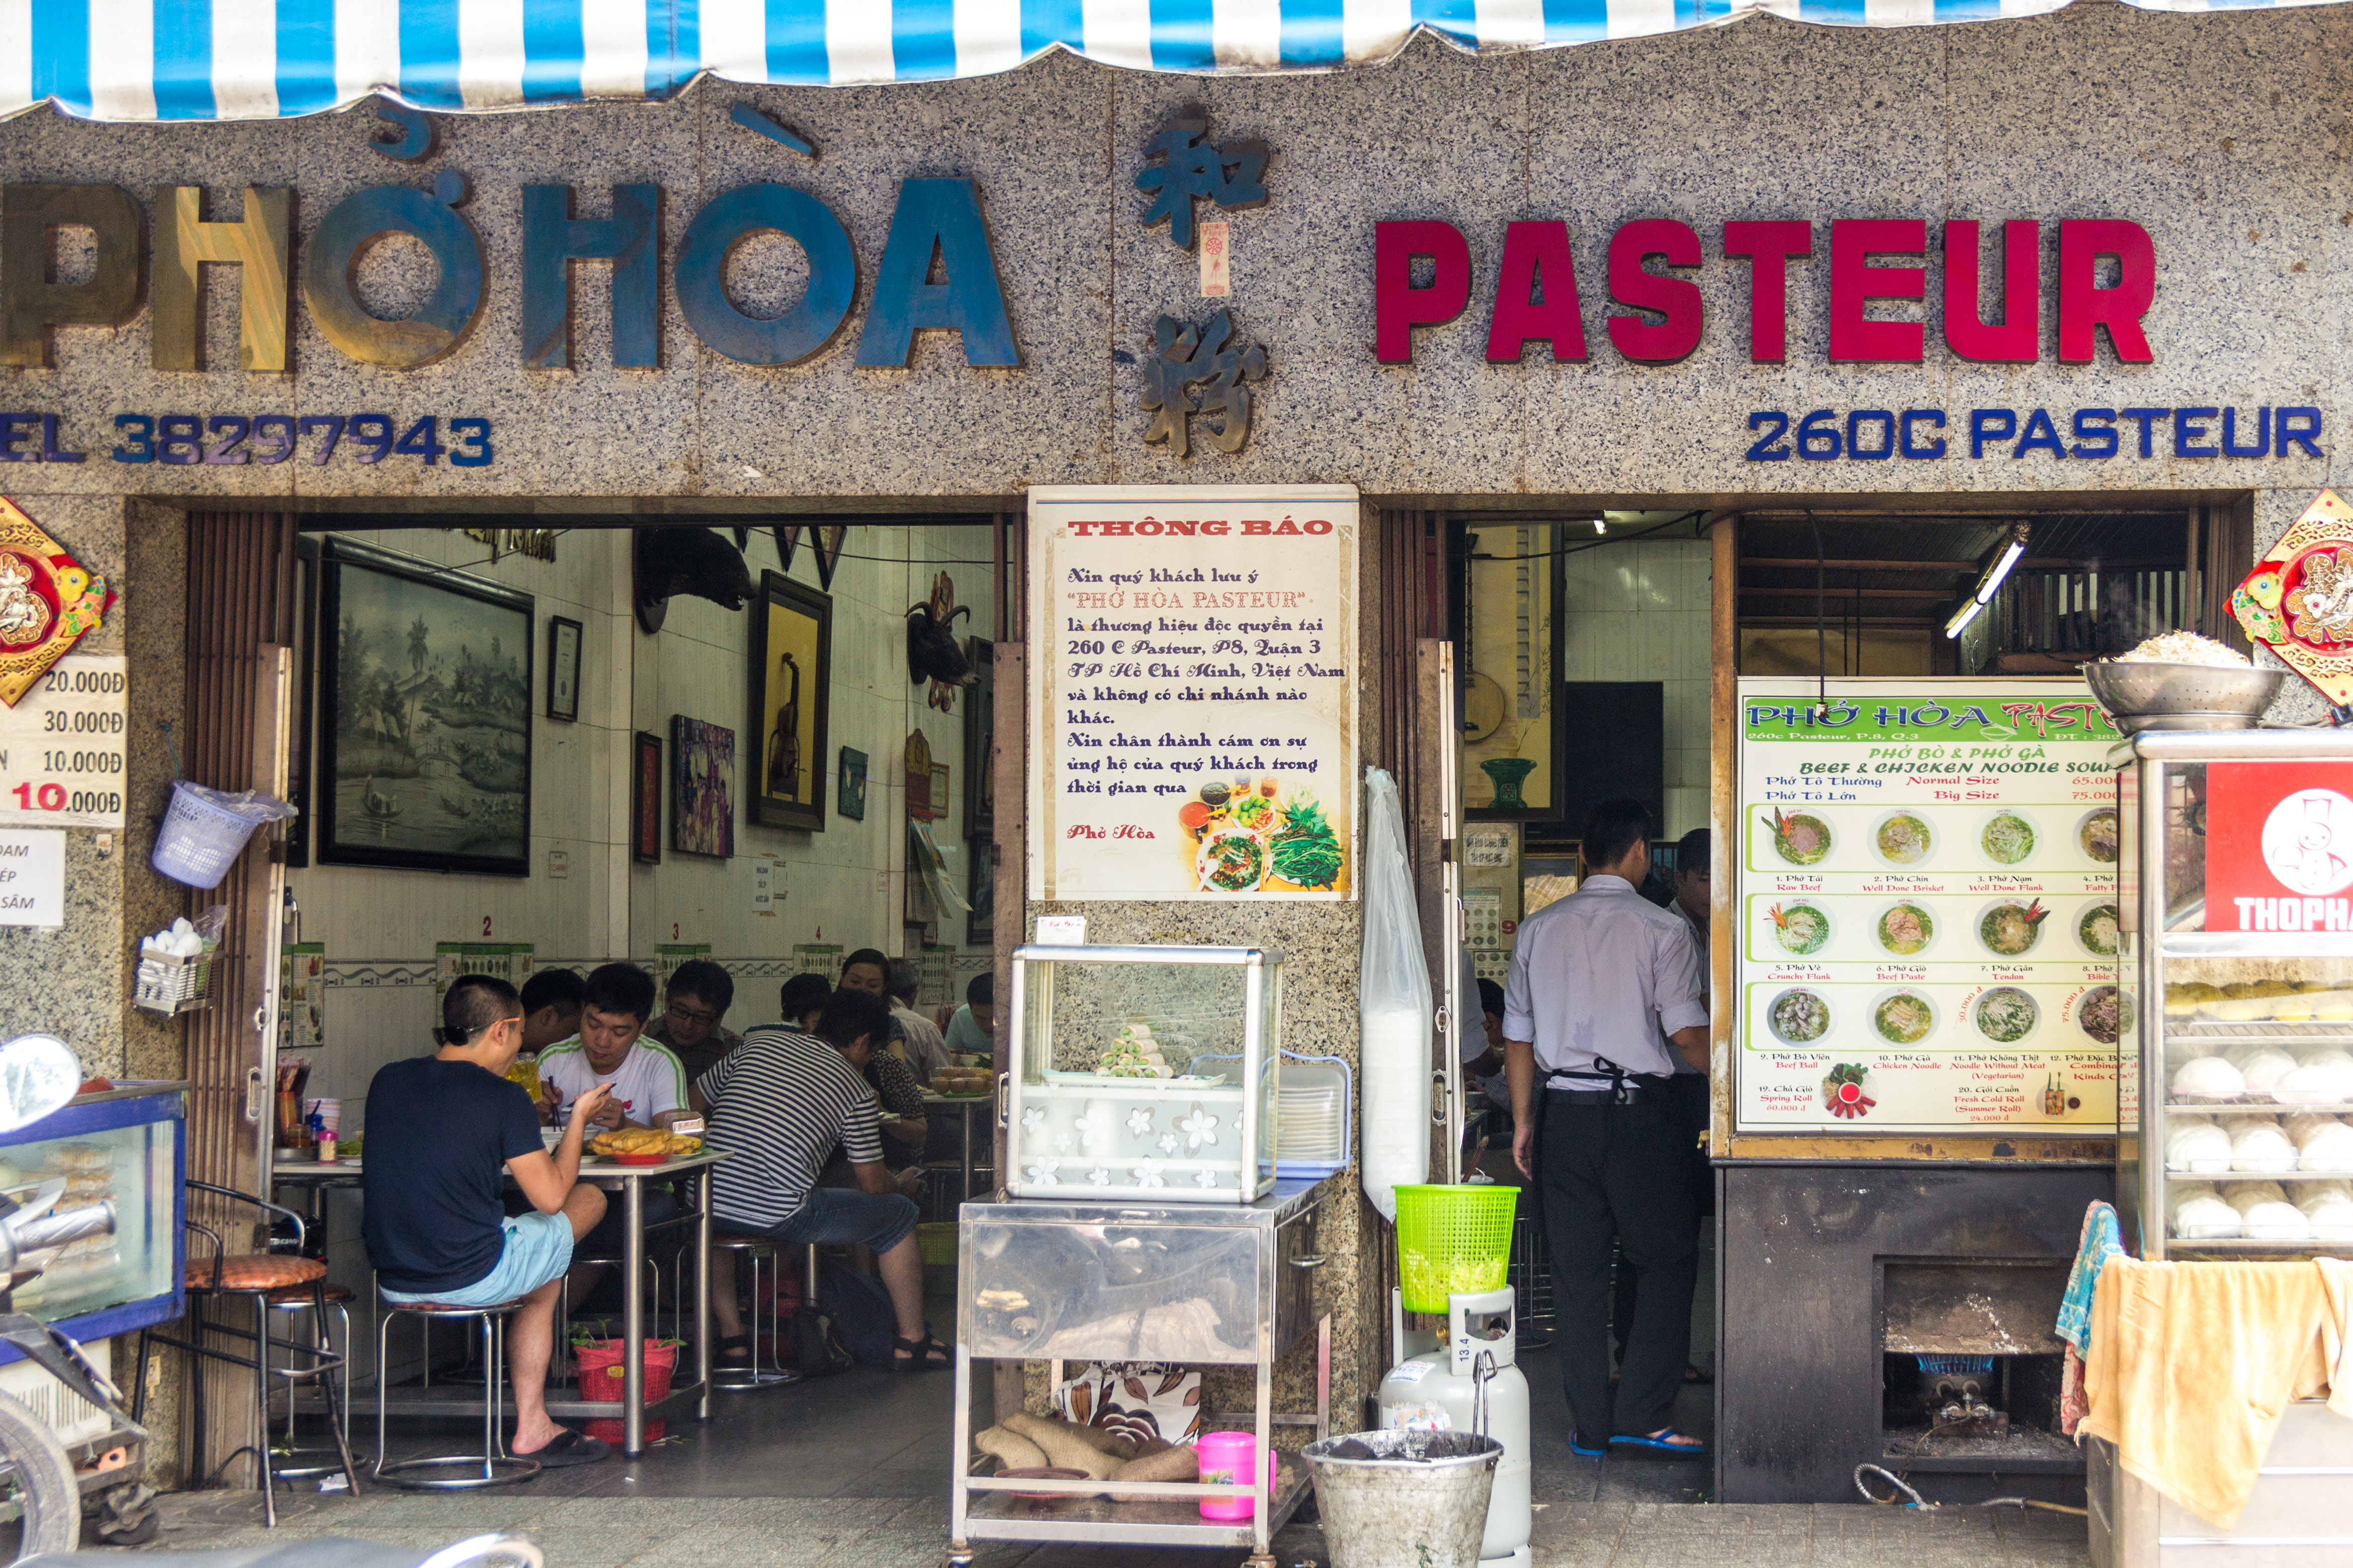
[{"x": 38, "y": 1074}]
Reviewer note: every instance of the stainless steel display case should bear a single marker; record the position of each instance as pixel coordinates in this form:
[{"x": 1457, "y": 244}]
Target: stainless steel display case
[
  {"x": 1232, "y": 1285},
  {"x": 1088, "y": 1113},
  {"x": 2202, "y": 811}
]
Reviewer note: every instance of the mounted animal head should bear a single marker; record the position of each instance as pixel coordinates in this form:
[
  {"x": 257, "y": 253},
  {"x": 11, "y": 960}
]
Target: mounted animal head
[
  {"x": 933, "y": 652},
  {"x": 674, "y": 561}
]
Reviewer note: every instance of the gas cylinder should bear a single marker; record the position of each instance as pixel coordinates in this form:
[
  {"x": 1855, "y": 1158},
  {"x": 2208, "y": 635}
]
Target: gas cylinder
[{"x": 1465, "y": 1377}]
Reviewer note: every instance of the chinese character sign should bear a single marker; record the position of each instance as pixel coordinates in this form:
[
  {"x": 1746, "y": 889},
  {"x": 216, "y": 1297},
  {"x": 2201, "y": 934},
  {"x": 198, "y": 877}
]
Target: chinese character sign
[
  {"x": 1213, "y": 357},
  {"x": 1186, "y": 168},
  {"x": 1193, "y": 692}
]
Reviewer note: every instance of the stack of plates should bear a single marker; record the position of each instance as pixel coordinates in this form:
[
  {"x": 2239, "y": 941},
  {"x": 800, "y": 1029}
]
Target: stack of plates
[{"x": 1311, "y": 1114}]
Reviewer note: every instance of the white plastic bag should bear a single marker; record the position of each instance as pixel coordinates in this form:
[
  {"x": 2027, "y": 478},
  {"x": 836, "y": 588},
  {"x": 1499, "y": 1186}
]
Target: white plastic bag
[{"x": 1393, "y": 1009}]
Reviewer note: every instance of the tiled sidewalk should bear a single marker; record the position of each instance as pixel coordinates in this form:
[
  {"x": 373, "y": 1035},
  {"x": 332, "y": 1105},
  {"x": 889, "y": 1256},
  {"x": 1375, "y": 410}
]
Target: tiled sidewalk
[{"x": 582, "y": 1531}]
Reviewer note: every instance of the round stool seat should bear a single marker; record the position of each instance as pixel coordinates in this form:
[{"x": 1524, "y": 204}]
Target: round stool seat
[
  {"x": 750, "y": 1244},
  {"x": 252, "y": 1272},
  {"x": 450, "y": 1308},
  {"x": 299, "y": 1295}
]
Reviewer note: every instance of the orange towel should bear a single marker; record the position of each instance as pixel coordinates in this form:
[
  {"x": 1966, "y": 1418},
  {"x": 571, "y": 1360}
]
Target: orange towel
[{"x": 2191, "y": 1365}]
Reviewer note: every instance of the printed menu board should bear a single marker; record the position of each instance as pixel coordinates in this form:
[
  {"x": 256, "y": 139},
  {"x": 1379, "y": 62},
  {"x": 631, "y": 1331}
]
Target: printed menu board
[
  {"x": 1193, "y": 692},
  {"x": 1927, "y": 906}
]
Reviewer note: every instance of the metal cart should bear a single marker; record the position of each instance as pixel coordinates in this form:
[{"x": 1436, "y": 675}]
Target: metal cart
[
  {"x": 1200, "y": 1285},
  {"x": 2237, "y": 881}
]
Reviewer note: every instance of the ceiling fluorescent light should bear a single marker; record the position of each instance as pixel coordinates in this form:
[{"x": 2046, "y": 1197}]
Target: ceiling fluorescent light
[
  {"x": 2006, "y": 556},
  {"x": 1963, "y": 617}
]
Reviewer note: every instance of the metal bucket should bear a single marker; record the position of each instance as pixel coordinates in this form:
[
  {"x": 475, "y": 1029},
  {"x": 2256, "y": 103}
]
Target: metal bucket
[{"x": 1420, "y": 1502}]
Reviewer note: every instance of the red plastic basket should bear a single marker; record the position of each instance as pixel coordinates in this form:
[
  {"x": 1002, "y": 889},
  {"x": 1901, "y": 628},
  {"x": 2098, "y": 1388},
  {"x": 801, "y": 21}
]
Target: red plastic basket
[{"x": 600, "y": 1378}]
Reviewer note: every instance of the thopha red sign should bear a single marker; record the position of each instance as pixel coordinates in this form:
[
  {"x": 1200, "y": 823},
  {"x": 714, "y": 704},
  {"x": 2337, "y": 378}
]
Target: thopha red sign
[{"x": 2279, "y": 847}]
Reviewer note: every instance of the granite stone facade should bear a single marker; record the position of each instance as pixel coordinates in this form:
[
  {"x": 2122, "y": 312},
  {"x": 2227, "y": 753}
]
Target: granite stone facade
[{"x": 2223, "y": 134}]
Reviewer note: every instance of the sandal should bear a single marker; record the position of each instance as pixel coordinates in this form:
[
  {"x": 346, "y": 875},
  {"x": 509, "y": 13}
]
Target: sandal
[
  {"x": 567, "y": 1449},
  {"x": 735, "y": 1350},
  {"x": 1664, "y": 1443},
  {"x": 915, "y": 1355}
]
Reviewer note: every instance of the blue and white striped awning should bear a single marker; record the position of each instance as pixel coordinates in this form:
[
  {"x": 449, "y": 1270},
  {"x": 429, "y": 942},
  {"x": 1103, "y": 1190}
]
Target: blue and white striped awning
[{"x": 260, "y": 60}]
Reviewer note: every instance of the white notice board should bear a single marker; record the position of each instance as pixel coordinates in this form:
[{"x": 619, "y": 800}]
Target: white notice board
[{"x": 1193, "y": 692}]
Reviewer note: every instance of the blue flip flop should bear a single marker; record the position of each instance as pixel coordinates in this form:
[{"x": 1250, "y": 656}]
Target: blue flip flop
[
  {"x": 1663, "y": 1444},
  {"x": 1583, "y": 1453}
]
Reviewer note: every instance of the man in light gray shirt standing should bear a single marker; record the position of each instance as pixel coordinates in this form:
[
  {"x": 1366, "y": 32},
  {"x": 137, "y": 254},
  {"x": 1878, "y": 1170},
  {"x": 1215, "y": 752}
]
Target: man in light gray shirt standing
[{"x": 1603, "y": 1000}]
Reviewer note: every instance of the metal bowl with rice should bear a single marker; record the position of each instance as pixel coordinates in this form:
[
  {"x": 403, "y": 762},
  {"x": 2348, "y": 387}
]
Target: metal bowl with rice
[{"x": 2180, "y": 681}]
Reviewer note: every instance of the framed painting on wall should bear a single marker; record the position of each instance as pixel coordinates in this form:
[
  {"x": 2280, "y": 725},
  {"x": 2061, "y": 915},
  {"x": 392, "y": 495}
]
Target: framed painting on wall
[
  {"x": 562, "y": 669},
  {"x": 980, "y": 726},
  {"x": 850, "y": 791},
  {"x": 1510, "y": 648},
  {"x": 645, "y": 798},
  {"x": 791, "y": 646},
  {"x": 703, "y": 787},
  {"x": 425, "y": 717}
]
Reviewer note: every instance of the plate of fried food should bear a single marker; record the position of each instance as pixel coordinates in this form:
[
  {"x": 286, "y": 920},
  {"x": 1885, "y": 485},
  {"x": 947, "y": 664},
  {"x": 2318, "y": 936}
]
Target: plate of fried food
[{"x": 643, "y": 1146}]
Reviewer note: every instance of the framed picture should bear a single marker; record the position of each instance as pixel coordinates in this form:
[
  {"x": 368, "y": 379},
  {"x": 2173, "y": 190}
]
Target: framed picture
[
  {"x": 425, "y": 717},
  {"x": 645, "y": 798},
  {"x": 849, "y": 797},
  {"x": 979, "y": 729},
  {"x": 1510, "y": 582},
  {"x": 791, "y": 646},
  {"x": 826, "y": 538},
  {"x": 701, "y": 787},
  {"x": 562, "y": 669}
]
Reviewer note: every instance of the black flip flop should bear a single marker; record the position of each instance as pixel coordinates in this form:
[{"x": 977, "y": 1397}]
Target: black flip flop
[
  {"x": 735, "y": 1351},
  {"x": 567, "y": 1448}
]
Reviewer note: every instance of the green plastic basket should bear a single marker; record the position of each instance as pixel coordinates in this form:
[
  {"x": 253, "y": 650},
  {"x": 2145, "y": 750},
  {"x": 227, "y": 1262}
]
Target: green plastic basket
[{"x": 1452, "y": 1240}]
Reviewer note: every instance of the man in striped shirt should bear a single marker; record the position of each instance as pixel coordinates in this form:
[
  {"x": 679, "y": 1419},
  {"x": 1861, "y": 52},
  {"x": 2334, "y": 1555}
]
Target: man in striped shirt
[{"x": 778, "y": 1104}]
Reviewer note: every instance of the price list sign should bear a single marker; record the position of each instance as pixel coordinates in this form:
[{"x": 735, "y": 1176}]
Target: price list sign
[
  {"x": 1927, "y": 907},
  {"x": 1193, "y": 692},
  {"x": 61, "y": 746}
]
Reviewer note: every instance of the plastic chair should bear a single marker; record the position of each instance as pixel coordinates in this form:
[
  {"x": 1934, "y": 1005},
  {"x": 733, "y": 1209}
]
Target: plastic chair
[
  {"x": 256, "y": 1276},
  {"x": 497, "y": 1467}
]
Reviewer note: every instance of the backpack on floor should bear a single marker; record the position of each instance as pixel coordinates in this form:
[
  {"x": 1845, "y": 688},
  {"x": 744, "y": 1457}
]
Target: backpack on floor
[
  {"x": 860, "y": 1309},
  {"x": 818, "y": 1349}
]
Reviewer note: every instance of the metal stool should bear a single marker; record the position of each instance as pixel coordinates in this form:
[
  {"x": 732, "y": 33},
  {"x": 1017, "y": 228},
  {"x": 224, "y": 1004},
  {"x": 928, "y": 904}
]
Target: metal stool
[
  {"x": 256, "y": 1276},
  {"x": 757, "y": 1250},
  {"x": 498, "y": 1467},
  {"x": 299, "y": 1299}
]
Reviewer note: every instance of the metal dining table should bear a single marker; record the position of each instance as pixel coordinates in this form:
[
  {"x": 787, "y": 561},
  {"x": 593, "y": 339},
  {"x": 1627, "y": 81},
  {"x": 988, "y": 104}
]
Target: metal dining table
[
  {"x": 975, "y": 1111},
  {"x": 629, "y": 1181}
]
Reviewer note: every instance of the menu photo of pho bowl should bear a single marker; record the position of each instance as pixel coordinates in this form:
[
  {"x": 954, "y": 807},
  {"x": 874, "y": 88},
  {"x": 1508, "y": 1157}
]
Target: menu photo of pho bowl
[
  {"x": 1799, "y": 837},
  {"x": 1797, "y": 1016},
  {"x": 2009, "y": 927},
  {"x": 2007, "y": 839},
  {"x": 1905, "y": 929},
  {"x": 1902, "y": 838},
  {"x": 1799, "y": 930}
]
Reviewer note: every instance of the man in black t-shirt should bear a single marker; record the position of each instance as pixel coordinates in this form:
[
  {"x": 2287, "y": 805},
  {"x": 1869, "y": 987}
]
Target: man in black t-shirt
[{"x": 439, "y": 1128}]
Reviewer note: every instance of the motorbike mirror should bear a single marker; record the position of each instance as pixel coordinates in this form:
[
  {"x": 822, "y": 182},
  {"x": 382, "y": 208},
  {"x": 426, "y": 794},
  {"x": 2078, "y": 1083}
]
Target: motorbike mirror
[{"x": 38, "y": 1073}]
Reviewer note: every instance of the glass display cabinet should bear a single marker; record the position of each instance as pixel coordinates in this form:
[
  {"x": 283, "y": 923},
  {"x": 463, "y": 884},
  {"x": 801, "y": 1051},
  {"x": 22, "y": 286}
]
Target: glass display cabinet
[
  {"x": 1114, "y": 1091},
  {"x": 127, "y": 1146},
  {"x": 2235, "y": 1116}
]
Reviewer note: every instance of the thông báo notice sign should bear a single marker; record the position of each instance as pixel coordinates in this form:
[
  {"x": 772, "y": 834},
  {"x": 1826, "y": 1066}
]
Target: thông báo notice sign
[{"x": 1193, "y": 692}]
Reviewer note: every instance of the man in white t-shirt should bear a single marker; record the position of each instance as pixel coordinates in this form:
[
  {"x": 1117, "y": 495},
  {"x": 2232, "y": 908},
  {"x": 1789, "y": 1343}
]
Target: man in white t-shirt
[
  {"x": 649, "y": 1084},
  {"x": 648, "y": 1090}
]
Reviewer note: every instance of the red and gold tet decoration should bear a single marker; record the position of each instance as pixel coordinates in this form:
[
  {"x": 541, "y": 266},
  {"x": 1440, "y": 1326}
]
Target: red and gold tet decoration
[
  {"x": 47, "y": 600},
  {"x": 2298, "y": 601}
]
